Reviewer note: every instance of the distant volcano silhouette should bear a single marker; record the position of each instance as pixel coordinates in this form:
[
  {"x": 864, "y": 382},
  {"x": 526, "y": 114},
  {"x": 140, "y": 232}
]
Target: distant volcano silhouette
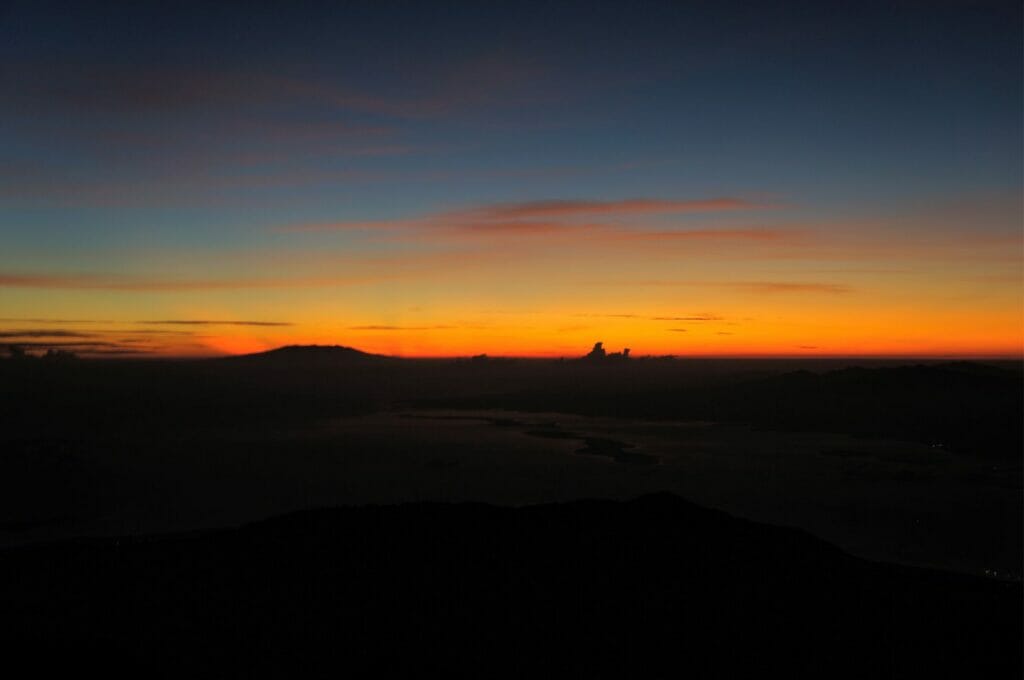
[{"x": 307, "y": 354}]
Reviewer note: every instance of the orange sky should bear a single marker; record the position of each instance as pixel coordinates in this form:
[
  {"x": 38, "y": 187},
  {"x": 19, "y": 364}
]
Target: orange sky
[{"x": 647, "y": 274}]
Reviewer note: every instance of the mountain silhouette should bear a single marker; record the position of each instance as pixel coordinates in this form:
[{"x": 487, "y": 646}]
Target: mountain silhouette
[
  {"x": 309, "y": 354},
  {"x": 652, "y": 587}
]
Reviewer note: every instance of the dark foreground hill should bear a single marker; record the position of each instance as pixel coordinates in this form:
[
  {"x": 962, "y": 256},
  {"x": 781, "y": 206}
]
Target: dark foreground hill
[{"x": 655, "y": 587}]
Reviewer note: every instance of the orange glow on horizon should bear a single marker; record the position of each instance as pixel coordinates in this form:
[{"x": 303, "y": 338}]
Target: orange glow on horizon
[
  {"x": 488, "y": 280},
  {"x": 573, "y": 336}
]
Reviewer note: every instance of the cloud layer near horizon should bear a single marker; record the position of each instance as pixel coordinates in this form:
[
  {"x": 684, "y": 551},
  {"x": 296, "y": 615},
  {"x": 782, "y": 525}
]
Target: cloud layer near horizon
[{"x": 545, "y": 216}]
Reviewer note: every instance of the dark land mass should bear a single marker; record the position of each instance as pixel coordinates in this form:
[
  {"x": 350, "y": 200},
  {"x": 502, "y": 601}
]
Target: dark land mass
[
  {"x": 655, "y": 587},
  {"x": 969, "y": 408},
  {"x": 919, "y": 464}
]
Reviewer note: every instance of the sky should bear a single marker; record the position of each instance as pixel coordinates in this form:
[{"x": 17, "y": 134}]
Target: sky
[{"x": 523, "y": 179}]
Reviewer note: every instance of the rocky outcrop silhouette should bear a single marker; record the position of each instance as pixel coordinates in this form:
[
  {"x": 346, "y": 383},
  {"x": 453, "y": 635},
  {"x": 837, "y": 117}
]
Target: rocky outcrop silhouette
[{"x": 598, "y": 354}]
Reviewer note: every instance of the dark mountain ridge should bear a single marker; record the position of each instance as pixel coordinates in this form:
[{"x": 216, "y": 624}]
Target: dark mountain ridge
[
  {"x": 309, "y": 354},
  {"x": 655, "y": 587}
]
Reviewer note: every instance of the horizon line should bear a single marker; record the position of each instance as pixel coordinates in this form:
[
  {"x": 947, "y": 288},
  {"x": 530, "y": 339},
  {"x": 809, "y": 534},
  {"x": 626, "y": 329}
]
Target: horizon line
[{"x": 908, "y": 356}]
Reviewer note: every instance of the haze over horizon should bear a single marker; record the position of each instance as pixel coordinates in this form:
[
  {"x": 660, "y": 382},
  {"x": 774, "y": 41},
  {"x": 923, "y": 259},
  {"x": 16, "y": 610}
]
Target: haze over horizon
[{"x": 451, "y": 179}]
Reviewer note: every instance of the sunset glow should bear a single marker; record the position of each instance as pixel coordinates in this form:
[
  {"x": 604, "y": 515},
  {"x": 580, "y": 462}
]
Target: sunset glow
[{"x": 499, "y": 197}]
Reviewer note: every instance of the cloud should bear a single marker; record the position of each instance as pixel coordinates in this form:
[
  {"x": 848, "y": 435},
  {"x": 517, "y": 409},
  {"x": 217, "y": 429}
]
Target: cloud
[
  {"x": 145, "y": 284},
  {"x": 771, "y": 287},
  {"x": 361, "y": 269},
  {"x": 80, "y": 86},
  {"x": 163, "y": 189},
  {"x": 66, "y": 345},
  {"x": 523, "y": 227},
  {"x": 92, "y": 351},
  {"x": 8, "y": 320},
  {"x": 132, "y": 335},
  {"x": 128, "y": 89},
  {"x": 558, "y": 215},
  {"x": 44, "y": 333},
  {"x": 610, "y": 316},
  {"x": 576, "y": 208},
  {"x": 132, "y": 89},
  {"x": 120, "y": 351},
  {"x": 695, "y": 317},
  {"x": 148, "y": 331},
  {"x": 756, "y": 234},
  {"x": 111, "y": 343},
  {"x": 212, "y": 322},
  {"x": 766, "y": 287},
  {"x": 400, "y": 328},
  {"x": 692, "y": 317}
]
